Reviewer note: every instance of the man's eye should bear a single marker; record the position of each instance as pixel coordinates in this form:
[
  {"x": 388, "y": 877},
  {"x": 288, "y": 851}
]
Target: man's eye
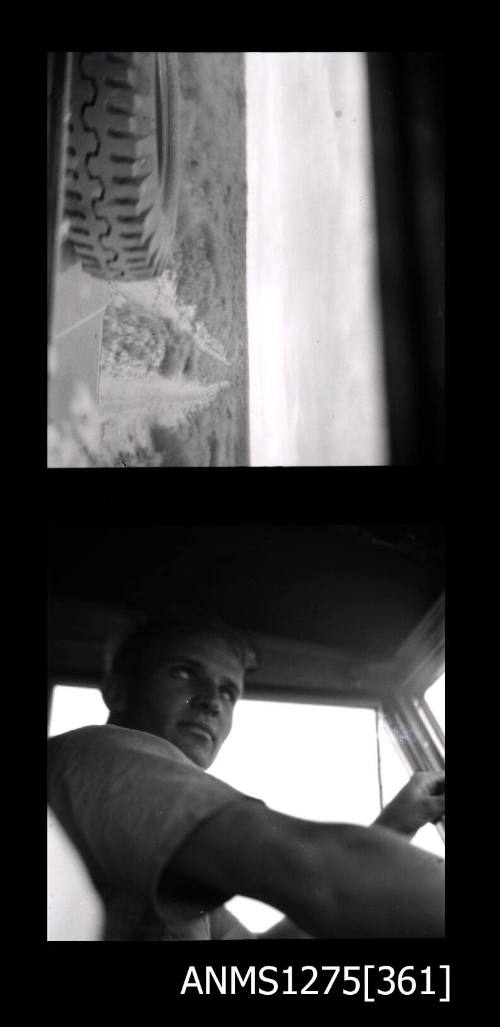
[
  {"x": 230, "y": 692},
  {"x": 184, "y": 673}
]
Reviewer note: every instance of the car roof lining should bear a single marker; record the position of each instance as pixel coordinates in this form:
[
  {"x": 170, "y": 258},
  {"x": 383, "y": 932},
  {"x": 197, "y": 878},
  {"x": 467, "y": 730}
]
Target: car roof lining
[{"x": 360, "y": 588}]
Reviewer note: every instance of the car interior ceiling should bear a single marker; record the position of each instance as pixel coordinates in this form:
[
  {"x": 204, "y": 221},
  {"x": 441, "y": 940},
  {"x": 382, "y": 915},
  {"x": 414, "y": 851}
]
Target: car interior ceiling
[{"x": 346, "y": 596}]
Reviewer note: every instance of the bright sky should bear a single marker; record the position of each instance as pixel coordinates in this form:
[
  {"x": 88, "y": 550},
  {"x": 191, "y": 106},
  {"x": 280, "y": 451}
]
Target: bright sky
[
  {"x": 316, "y": 377},
  {"x": 435, "y": 697}
]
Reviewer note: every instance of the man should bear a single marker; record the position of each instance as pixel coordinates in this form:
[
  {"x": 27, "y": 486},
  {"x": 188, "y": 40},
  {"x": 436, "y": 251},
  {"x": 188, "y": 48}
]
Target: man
[{"x": 167, "y": 844}]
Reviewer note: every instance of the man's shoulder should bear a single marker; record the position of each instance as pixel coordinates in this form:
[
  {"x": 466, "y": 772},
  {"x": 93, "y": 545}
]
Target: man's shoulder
[
  {"x": 111, "y": 739},
  {"x": 90, "y": 735},
  {"x": 90, "y": 730}
]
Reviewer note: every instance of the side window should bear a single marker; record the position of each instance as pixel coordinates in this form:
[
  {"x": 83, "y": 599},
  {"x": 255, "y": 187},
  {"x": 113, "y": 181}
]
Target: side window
[
  {"x": 395, "y": 771},
  {"x": 312, "y": 761},
  {"x": 315, "y": 762},
  {"x": 74, "y": 707},
  {"x": 435, "y": 700}
]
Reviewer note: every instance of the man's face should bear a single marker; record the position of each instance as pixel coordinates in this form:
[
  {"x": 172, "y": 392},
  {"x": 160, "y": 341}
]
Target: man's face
[{"x": 187, "y": 694}]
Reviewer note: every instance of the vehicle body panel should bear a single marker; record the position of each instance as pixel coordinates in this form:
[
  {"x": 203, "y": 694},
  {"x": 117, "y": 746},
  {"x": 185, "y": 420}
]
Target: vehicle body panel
[{"x": 80, "y": 302}]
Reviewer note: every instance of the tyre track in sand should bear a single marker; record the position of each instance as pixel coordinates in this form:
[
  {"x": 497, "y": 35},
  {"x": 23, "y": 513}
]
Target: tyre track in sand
[{"x": 130, "y": 407}]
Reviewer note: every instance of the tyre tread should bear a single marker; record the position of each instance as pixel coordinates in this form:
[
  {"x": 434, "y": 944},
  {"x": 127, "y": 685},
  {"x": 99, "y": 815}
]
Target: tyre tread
[{"x": 119, "y": 225}]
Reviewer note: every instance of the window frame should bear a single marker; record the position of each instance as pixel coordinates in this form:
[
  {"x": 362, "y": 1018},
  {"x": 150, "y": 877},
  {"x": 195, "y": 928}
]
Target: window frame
[{"x": 413, "y": 726}]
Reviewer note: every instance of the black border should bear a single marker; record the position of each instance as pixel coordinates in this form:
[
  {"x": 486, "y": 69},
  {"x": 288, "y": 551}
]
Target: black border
[
  {"x": 94, "y": 979},
  {"x": 275, "y": 495}
]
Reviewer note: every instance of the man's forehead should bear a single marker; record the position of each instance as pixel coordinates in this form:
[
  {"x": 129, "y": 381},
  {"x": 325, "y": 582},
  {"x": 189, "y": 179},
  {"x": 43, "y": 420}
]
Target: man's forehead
[{"x": 198, "y": 646}]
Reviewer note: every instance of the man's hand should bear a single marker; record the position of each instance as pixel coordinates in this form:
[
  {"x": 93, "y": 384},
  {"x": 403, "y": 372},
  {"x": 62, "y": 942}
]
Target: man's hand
[{"x": 420, "y": 802}]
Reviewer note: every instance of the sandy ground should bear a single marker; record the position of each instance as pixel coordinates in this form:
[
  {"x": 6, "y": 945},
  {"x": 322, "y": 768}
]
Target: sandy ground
[
  {"x": 174, "y": 363},
  {"x": 317, "y": 371}
]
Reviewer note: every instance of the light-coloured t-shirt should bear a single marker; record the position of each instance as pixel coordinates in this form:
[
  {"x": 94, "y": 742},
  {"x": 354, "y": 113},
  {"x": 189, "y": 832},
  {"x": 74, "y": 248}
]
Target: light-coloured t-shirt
[{"x": 128, "y": 800}]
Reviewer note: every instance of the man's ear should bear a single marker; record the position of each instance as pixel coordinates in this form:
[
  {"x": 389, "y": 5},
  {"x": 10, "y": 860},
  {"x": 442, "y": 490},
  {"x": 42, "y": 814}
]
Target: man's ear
[{"x": 114, "y": 693}]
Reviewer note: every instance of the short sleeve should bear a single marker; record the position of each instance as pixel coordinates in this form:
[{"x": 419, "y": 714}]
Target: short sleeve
[{"x": 128, "y": 800}]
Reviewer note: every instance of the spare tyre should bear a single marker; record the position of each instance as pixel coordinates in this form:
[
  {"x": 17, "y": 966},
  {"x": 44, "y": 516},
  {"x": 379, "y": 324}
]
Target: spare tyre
[{"x": 122, "y": 167}]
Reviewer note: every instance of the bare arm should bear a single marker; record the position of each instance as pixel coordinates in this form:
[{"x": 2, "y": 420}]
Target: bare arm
[
  {"x": 421, "y": 801},
  {"x": 331, "y": 880}
]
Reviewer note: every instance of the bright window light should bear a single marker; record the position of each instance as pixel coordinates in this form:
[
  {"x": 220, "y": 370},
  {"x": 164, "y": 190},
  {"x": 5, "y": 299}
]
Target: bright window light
[
  {"x": 74, "y": 707},
  {"x": 435, "y": 699},
  {"x": 313, "y": 762}
]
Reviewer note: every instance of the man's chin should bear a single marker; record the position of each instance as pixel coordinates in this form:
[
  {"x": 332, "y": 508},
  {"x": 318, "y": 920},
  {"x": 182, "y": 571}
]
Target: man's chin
[
  {"x": 200, "y": 751},
  {"x": 202, "y": 759}
]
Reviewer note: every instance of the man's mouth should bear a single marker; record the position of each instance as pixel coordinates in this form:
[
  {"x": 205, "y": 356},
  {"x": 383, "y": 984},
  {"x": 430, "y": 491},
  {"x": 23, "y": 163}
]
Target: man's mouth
[{"x": 201, "y": 730}]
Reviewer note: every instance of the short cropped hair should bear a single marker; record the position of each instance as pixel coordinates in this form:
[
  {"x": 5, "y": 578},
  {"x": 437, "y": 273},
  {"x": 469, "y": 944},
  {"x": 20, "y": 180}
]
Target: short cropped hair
[{"x": 129, "y": 659}]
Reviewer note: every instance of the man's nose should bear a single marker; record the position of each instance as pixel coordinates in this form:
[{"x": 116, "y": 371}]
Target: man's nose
[{"x": 207, "y": 697}]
